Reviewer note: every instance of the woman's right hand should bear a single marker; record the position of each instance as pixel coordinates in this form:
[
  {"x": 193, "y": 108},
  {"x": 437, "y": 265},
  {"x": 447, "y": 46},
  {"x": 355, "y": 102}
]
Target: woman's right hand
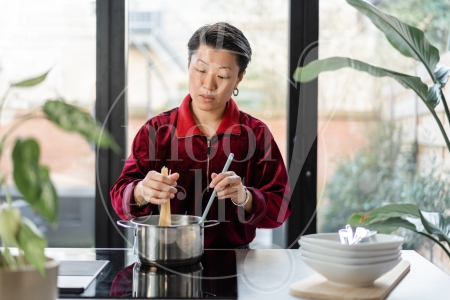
[{"x": 156, "y": 188}]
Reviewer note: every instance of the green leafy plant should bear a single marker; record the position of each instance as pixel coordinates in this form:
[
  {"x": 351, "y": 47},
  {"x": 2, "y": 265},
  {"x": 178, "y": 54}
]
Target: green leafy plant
[
  {"x": 389, "y": 218},
  {"x": 33, "y": 180},
  {"x": 410, "y": 42},
  {"x": 429, "y": 16},
  {"x": 384, "y": 171}
]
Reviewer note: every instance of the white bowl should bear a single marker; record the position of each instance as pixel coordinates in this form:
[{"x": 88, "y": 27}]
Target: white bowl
[
  {"x": 355, "y": 275},
  {"x": 349, "y": 260},
  {"x": 377, "y": 242},
  {"x": 350, "y": 253}
]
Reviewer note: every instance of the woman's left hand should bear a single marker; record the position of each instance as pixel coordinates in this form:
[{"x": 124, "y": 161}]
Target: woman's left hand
[{"x": 228, "y": 185}]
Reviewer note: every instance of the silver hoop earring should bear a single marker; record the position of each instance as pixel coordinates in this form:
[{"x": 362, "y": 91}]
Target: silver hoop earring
[{"x": 237, "y": 92}]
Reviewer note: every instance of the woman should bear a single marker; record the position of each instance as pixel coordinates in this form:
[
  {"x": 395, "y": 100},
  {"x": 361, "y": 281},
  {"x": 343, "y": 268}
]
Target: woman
[{"x": 194, "y": 141}]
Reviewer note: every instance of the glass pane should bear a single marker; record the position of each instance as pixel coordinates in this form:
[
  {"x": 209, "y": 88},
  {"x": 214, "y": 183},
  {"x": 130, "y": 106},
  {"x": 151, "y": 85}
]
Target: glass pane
[
  {"x": 378, "y": 142},
  {"x": 60, "y": 37},
  {"x": 157, "y": 63}
]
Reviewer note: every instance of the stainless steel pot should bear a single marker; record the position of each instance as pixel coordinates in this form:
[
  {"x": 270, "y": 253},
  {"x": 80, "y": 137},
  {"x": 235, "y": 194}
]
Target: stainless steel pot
[
  {"x": 176, "y": 282},
  {"x": 176, "y": 245}
]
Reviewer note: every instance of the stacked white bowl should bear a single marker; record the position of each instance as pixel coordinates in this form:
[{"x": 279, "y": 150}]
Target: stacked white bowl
[{"x": 351, "y": 265}]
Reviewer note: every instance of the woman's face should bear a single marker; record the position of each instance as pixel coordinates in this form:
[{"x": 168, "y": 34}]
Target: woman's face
[{"x": 213, "y": 75}]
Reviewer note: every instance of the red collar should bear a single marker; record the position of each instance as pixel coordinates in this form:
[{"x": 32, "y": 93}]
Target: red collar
[{"x": 186, "y": 125}]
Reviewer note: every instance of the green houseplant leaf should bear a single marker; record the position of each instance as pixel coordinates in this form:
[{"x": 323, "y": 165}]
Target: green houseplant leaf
[
  {"x": 9, "y": 224},
  {"x": 314, "y": 68},
  {"x": 31, "y": 81},
  {"x": 410, "y": 41},
  {"x": 384, "y": 213},
  {"x": 390, "y": 217},
  {"x": 386, "y": 226},
  {"x": 33, "y": 180},
  {"x": 32, "y": 243},
  {"x": 48, "y": 201},
  {"x": 70, "y": 118},
  {"x": 436, "y": 224},
  {"x": 431, "y": 96},
  {"x": 25, "y": 157}
]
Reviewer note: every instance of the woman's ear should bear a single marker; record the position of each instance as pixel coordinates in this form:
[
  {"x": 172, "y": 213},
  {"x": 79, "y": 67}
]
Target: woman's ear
[{"x": 240, "y": 78}]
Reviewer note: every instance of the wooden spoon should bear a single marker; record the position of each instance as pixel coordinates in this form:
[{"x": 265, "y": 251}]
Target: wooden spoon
[{"x": 165, "y": 218}]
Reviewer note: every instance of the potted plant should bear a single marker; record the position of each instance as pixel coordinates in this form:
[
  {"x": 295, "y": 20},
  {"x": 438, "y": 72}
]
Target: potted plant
[
  {"x": 29, "y": 274},
  {"x": 410, "y": 42}
]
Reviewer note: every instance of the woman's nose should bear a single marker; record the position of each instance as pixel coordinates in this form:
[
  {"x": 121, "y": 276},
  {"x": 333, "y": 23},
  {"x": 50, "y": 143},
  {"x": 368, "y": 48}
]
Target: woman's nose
[{"x": 209, "y": 82}]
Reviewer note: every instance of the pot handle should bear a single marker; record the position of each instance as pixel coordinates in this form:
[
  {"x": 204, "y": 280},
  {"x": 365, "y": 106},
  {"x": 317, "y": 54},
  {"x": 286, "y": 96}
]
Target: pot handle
[
  {"x": 215, "y": 222},
  {"x": 123, "y": 224}
]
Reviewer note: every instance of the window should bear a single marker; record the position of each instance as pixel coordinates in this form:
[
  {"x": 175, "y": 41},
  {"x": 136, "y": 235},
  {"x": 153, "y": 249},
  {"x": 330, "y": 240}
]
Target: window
[
  {"x": 378, "y": 142},
  {"x": 59, "y": 37},
  {"x": 157, "y": 62}
]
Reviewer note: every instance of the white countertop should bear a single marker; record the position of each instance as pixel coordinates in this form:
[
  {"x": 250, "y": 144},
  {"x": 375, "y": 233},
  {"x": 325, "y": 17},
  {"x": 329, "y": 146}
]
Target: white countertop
[{"x": 267, "y": 274}]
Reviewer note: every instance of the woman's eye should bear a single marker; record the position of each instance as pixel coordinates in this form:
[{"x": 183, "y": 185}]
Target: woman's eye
[
  {"x": 200, "y": 71},
  {"x": 222, "y": 77}
]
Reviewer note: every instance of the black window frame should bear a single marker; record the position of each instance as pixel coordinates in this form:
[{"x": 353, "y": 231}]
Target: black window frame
[
  {"x": 302, "y": 121},
  {"x": 110, "y": 110}
]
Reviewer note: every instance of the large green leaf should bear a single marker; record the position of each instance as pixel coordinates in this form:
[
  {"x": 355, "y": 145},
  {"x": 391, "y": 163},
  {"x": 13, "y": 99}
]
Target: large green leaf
[
  {"x": 32, "y": 243},
  {"x": 48, "y": 204},
  {"x": 33, "y": 180},
  {"x": 31, "y": 81},
  {"x": 389, "y": 217},
  {"x": 436, "y": 224},
  {"x": 384, "y": 213},
  {"x": 409, "y": 40},
  {"x": 9, "y": 225},
  {"x": 314, "y": 68},
  {"x": 26, "y": 169},
  {"x": 386, "y": 226},
  {"x": 430, "y": 95},
  {"x": 70, "y": 118}
]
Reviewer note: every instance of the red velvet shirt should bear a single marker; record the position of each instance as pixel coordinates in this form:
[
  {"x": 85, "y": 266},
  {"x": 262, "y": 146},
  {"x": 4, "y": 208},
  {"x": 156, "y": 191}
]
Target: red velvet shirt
[{"x": 172, "y": 139}]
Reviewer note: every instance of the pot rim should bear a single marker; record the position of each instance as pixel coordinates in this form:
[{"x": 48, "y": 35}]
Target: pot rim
[
  {"x": 49, "y": 264},
  {"x": 134, "y": 221},
  {"x": 137, "y": 224}
]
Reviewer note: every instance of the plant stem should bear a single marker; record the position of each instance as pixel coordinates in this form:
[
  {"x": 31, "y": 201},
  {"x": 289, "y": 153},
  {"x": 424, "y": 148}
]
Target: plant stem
[
  {"x": 3, "y": 182},
  {"x": 3, "y": 99},
  {"x": 11, "y": 263},
  {"x": 8, "y": 194},
  {"x": 441, "y": 127},
  {"x": 447, "y": 111},
  {"x": 430, "y": 244},
  {"x": 2, "y": 259},
  {"x": 436, "y": 241}
]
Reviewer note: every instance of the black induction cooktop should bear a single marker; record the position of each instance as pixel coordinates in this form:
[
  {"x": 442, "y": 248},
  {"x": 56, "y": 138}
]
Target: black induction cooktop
[{"x": 213, "y": 277}]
